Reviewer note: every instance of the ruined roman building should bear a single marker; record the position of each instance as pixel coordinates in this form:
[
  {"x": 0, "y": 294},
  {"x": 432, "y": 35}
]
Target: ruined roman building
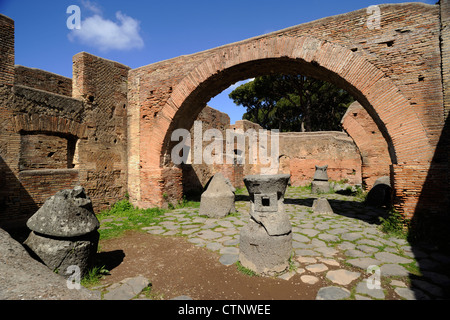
[{"x": 109, "y": 127}]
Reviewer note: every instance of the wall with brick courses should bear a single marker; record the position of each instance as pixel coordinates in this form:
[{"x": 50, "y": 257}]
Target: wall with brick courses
[
  {"x": 43, "y": 151},
  {"x": 6, "y": 50},
  {"x": 11, "y": 191},
  {"x": 101, "y": 157},
  {"x": 38, "y": 185},
  {"x": 393, "y": 71},
  {"x": 50, "y": 140},
  {"x": 299, "y": 153},
  {"x": 251, "y": 166},
  {"x": 445, "y": 51},
  {"x": 38, "y": 131},
  {"x": 370, "y": 142},
  {"x": 195, "y": 176},
  {"x": 43, "y": 80},
  {"x": 431, "y": 219}
]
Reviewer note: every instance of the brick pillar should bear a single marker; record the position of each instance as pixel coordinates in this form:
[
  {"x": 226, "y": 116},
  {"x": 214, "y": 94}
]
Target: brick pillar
[
  {"x": 101, "y": 156},
  {"x": 159, "y": 187},
  {"x": 417, "y": 188},
  {"x": 445, "y": 56},
  {"x": 6, "y": 50},
  {"x": 445, "y": 52}
]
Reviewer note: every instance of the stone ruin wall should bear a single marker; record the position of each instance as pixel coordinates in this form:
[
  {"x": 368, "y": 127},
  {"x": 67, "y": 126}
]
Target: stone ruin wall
[
  {"x": 394, "y": 71},
  {"x": 101, "y": 157},
  {"x": 38, "y": 131},
  {"x": 301, "y": 151},
  {"x": 359, "y": 160},
  {"x": 42, "y": 80},
  {"x": 56, "y": 133},
  {"x": 36, "y": 108},
  {"x": 375, "y": 158}
]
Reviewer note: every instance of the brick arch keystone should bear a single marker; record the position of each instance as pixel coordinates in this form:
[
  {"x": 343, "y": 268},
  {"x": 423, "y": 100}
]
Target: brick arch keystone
[{"x": 51, "y": 124}]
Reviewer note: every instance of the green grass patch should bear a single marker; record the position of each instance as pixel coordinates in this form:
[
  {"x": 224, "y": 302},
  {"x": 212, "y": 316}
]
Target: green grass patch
[
  {"x": 123, "y": 216},
  {"x": 245, "y": 270},
  {"x": 413, "y": 268},
  {"x": 93, "y": 277},
  {"x": 394, "y": 225},
  {"x": 240, "y": 191},
  {"x": 185, "y": 203},
  {"x": 149, "y": 293},
  {"x": 234, "y": 214},
  {"x": 305, "y": 188},
  {"x": 292, "y": 265}
]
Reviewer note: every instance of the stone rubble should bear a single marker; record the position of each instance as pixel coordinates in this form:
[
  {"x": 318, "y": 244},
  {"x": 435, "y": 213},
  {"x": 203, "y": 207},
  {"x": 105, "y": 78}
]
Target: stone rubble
[
  {"x": 64, "y": 231},
  {"x": 265, "y": 242},
  {"x": 218, "y": 199}
]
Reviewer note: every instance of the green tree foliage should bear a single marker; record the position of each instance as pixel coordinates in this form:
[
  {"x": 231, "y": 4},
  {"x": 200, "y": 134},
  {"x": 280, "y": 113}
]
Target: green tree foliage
[{"x": 292, "y": 103}]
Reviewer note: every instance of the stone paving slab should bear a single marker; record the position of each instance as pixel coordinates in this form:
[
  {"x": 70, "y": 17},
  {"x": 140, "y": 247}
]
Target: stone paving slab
[
  {"x": 339, "y": 248},
  {"x": 333, "y": 293},
  {"x": 127, "y": 289},
  {"x": 342, "y": 277}
]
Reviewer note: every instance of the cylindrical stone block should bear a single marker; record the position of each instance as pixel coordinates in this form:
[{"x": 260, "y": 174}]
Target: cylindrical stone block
[{"x": 262, "y": 253}]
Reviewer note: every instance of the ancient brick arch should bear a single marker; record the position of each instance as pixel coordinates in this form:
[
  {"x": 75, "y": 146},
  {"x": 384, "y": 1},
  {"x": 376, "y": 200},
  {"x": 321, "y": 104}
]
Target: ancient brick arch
[
  {"x": 398, "y": 71},
  {"x": 49, "y": 124},
  {"x": 400, "y": 88},
  {"x": 379, "y": 95},
  {"x": 304, "y": 55}
]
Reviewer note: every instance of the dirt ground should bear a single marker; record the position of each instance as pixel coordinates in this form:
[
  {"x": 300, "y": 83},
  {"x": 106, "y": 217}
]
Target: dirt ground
[{"x": 176, "y": 267}]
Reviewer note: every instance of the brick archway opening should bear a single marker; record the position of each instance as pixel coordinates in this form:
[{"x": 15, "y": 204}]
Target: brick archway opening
[
  {"x": 154, "y": 180},
  {"x": 198, "y": 99}
]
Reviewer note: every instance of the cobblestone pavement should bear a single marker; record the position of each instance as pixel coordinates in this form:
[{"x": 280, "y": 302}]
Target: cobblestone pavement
[{"x": 347, "y": 248}]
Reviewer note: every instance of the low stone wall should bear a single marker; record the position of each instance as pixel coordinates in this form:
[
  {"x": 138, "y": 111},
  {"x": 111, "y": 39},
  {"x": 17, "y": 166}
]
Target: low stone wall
[
  {"x": 43, "y": 80},
  {"x": 299, "y": 153}
]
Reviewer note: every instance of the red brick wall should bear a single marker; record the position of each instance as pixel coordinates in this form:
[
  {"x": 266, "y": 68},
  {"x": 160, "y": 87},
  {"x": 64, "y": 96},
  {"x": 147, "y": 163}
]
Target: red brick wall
[
  {"x": 372, "y": 145},
  {"x": 6, "y": 50},
  {"x": 195, "y": 176},
  {"x": 445, "y": 51},
  {"x": 33, "y": 125},
  {"x": 42, "y": 151},
  {"x": 409, "y": 187},
  {"x": 302, "y": 151},
  {"x": 38, "y": 185},
  {"x": 43, "y": 80},
  {"x": 44, "y": 131},
  {"x": 10, "y": 189},
  {"x": 393, "y": 71},
  {"x": 101, "y": 157}
]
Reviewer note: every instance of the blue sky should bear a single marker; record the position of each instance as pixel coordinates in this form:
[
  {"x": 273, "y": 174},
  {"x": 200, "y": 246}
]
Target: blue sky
[{"x": 137, "y": 33}]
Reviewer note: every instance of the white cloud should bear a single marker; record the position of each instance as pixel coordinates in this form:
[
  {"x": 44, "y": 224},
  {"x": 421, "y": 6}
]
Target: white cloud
[
  {"x": 91, "y": 6},
  {"x": 237, "y": 84},
  {"x": 105, "y": 34}
]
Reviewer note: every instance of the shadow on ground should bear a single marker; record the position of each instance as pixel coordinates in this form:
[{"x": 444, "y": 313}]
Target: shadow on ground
[
  {"x": 432, "y": 280},
  {"x": 369, "y": 214},
  {"x": 110, "y": 259}
]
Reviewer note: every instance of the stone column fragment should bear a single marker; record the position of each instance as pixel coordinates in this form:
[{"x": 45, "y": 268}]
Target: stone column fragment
[{"x": 266, "y": 240}]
